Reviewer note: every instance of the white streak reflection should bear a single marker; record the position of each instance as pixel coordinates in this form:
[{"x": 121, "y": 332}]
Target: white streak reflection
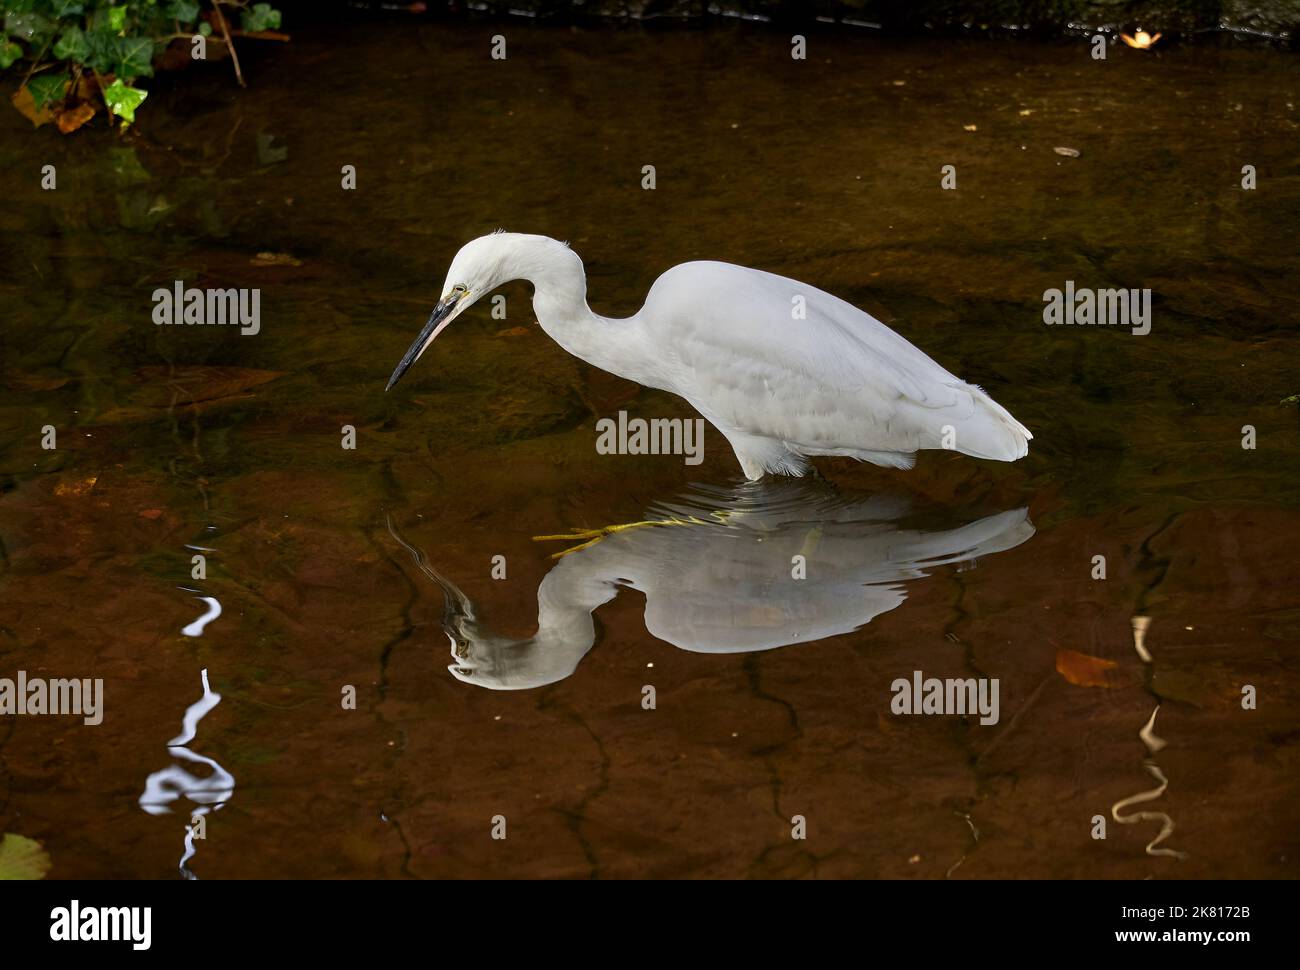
[
  {"x": 195, "y": 629},
  {"x": 208, "y": 793},
  {"x": 1153, "y": 743}
]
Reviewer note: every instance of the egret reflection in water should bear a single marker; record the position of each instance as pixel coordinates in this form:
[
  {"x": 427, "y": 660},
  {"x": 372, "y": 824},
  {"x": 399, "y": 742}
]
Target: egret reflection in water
[{"x": 764, "y": 565}]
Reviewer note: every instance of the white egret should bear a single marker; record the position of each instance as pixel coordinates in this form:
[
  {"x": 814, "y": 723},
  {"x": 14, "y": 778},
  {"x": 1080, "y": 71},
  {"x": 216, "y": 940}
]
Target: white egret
[{"x": 784, "y": 370}]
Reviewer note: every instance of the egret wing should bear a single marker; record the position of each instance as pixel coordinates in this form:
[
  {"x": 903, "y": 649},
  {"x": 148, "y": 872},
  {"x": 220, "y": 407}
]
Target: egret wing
[{"x": 763, "y": 354}]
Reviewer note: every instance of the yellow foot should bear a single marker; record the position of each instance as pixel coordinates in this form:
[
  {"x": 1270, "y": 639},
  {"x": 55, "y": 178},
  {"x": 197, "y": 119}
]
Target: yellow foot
[{"x": 593, "y": 536}]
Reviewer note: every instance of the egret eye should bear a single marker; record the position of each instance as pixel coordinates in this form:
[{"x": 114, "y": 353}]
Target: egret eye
[{"x": 460, "y": 288}]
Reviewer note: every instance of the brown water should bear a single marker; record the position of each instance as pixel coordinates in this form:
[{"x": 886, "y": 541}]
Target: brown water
[{"x": 171, "y": 438}]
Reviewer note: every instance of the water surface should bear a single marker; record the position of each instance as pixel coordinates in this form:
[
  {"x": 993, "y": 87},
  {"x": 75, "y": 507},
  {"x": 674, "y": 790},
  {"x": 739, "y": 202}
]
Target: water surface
[{"x": 177, "y": 441}]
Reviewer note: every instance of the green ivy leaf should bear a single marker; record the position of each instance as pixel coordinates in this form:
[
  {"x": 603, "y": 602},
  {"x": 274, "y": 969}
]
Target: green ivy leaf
[
  {"x": 122, "y": 101},
  {"x": 65, "y": 8},
  {"x": 117, "y": 18},
  {"x": 9, "y": 52},
  {"x": 103, "y": 51},
  {"x": 47, "y": 88},
  {"x": 134, "y": 57},
  {"x": 31, "y": 27},
  {"x": 22, "y": 858},
  {"x": 262, "y": 17},
  {"x": 185, "y": 10},
  {"x": 72, "y": 46},
  {"x": 205, "y": 29}
]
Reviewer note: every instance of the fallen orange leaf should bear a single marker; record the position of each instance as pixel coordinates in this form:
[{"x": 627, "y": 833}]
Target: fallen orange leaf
[
  {"x": 261, "y": 35},
  {"x": 75, "y": 488},
  {"x": 274, "y": 259},
  {"x": 35, "y": 382},
  {"x": 168, "y": 386},
  {"x": 73, "y": 118},
  {"x": 1084, "y": 670},
  {"x": 26, "y": 105}
]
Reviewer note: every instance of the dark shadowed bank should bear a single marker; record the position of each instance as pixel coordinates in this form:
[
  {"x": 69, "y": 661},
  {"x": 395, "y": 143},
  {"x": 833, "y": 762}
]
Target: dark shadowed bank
[{"x": 1277, "y": 19}]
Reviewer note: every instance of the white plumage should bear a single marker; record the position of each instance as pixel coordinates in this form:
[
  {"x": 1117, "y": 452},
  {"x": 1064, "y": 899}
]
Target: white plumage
[{"x": 784, "y": 370}]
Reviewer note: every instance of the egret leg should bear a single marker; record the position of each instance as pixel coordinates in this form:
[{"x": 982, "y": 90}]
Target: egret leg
[{"x": 758, "y": 456}]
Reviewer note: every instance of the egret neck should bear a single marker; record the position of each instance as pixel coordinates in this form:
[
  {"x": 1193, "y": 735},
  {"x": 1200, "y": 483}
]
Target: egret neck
[{"x": 560, "y": 302}]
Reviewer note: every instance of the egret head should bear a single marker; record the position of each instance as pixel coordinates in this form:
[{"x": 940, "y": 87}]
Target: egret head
[
  {"x": 476, "y": 270},
  {"x": 480, "y": 267}
]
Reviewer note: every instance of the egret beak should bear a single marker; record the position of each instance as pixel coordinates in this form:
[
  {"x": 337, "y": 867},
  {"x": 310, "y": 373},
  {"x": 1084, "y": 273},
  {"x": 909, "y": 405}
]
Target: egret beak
[{"x": 438, "y": 319}]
